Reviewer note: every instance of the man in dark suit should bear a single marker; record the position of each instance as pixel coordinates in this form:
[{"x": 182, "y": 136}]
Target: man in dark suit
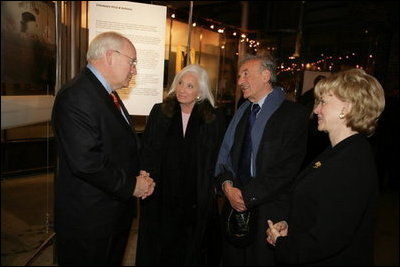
[
  {"x": 98, "y": 172},
  {"x": 277, "y": 147}
]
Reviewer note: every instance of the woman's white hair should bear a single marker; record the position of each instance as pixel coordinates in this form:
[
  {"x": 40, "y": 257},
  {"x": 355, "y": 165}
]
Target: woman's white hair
[
  {"x": 103, "y": 42},
  {"x": 204, "y": 82}
]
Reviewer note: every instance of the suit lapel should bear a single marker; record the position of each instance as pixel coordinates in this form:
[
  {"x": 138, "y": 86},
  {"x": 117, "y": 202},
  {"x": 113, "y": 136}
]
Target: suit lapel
[
  {"x": 99, "y": 89},
  {"x": 124, "y": 110},
  {"x": 126, "y": 113}
]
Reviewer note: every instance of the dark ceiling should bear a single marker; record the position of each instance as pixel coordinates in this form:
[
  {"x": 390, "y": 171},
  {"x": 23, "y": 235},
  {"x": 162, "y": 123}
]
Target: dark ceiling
[
  {"x": 332, "y": 25},
  {"x": 284, "y": 15},
  {"x": 366, "y": 30}
]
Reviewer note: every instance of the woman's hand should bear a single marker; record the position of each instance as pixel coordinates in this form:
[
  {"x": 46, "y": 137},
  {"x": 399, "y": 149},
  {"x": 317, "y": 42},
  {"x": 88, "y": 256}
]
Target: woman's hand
[{"x": 276, "y": 230}]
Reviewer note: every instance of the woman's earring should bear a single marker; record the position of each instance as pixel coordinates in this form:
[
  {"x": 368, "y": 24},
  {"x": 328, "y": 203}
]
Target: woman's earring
[
  {"x": 198, "y": 98},
  {"x": 341, "y": 115}
]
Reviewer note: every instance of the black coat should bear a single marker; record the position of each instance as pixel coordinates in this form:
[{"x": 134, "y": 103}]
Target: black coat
[
  {"x": 98, "y": 162},
  {"x": 280, "y": 154},
  {"x": 173, "y": 221},
  {"x": 333, "y": 208}
]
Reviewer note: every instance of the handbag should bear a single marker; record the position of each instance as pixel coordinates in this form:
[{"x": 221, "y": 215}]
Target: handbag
[{"x": 239, "y": 227}]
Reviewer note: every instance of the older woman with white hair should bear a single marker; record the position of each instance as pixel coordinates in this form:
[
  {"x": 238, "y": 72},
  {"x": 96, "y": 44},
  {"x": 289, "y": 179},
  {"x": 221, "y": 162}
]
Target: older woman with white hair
[{"x": 178, "y": 224}]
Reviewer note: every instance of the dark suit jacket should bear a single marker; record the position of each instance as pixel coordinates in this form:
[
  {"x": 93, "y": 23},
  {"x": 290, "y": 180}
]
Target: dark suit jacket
[
  {"x": 333, "y": 207},
  {"x": 98, "y": 161},
  {"x": 280, "y": 154}
]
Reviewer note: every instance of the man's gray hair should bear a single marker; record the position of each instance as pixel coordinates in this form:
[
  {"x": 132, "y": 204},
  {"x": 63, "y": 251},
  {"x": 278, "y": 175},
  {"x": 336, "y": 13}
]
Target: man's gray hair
[
  {"x": 103, "y": 42},
  {"x": 267, "y": 63}
]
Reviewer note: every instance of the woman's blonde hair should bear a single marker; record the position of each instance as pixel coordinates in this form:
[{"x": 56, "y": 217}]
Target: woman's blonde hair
[{"x": 360, "y": 89}]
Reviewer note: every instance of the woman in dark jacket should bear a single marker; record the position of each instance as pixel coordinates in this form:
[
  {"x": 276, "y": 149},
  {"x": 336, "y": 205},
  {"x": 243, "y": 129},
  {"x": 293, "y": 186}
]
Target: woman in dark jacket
[
  {"x": 334, "y": 199},
  {"x": 178, "y": 224}
]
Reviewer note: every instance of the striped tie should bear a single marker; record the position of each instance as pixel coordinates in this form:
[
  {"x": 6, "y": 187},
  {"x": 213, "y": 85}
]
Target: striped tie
[
  {"x": 244, "y": 168},
  {"x": 115, "y": 99}
]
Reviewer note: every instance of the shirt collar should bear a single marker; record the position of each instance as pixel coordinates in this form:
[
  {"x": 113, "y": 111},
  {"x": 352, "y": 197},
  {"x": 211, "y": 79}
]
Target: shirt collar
[{"x": 261, "y": 101}]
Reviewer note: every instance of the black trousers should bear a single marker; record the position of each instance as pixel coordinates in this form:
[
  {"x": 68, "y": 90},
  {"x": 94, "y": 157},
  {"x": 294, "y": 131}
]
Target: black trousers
[{"x": 97, "y": 251}]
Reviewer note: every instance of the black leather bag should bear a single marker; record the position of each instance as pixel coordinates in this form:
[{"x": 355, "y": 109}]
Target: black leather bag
[{"x": 238, "y": 227}]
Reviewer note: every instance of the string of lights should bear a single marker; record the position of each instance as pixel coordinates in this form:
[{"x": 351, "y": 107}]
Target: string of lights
[
  {"x": 329, "y": 63},
  {"x": 247, "y": 36},
  {"x": 290, "y": 64}
]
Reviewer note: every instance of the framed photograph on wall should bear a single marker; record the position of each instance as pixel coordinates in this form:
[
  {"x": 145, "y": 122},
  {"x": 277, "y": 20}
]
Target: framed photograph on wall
[{"x": 28, "y": 48}]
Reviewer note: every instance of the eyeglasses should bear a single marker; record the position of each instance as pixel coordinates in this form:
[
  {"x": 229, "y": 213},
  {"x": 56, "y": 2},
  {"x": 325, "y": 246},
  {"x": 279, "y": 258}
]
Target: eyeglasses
[{"x": 132, "y": 62}]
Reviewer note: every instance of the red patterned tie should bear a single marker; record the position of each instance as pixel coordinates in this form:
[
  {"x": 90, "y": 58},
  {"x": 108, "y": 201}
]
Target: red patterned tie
[{"x": 115, "y": 99}]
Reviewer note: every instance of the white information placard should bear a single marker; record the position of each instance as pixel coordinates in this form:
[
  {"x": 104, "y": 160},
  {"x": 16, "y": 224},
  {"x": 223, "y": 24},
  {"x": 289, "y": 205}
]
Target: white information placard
[{"x": 144, "y": 25}]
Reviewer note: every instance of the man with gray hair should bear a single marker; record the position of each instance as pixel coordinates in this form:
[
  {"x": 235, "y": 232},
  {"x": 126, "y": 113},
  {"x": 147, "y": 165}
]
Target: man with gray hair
[
  {"x": 262, "y": 151},
  {"x": 98, "y": 172}
]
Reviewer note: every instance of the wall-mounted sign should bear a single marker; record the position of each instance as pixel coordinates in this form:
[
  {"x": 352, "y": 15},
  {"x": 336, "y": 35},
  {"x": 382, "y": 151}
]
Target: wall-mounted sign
[{"x": 144, "y": 25}]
